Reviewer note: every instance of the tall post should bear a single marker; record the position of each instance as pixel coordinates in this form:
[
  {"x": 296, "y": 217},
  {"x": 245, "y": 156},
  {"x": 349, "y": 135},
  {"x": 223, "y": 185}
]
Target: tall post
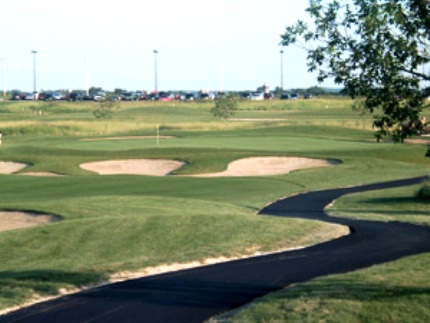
[
  {"x": 87, "y": 77},
  {"x": 155, "y": 71},
  {"x": 4, "y": 76},
  {"x": 34, "y": 52},
  {"x": 282, "y": 70},
  {"x": 221, "y": 77}
]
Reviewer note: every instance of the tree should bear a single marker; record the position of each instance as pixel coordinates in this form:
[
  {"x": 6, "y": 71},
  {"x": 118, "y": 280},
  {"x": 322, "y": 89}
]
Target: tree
[
  {"x": 106, "y": 107},
  {"x": 225, "y": 106},
  {"x": 377, "y": 50}
]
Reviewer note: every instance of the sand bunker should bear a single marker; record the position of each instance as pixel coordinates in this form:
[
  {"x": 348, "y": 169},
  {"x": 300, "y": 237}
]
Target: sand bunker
[
  {"x": 265, "y": 166},
  {"x": 253, "y": 166},
  {"x": 41, "y": 174},
  {"x": 151, "y": 167},
  {"x": 418, "y": 141},
  {"x": 12, "y": 220},
  {"x": 128, "y": 138},
  {"x": 11, "y": 167}
]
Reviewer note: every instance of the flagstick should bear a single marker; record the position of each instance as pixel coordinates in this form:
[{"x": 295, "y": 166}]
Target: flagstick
[{"x": 158, "y": 135}]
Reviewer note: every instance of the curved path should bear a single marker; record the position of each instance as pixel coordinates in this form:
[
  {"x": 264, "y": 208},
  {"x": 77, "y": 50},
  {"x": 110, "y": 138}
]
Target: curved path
[{"x": 198, "y": 294}]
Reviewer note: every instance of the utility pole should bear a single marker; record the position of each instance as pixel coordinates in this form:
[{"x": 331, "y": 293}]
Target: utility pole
[
  {"x": 34, "y": 52},
  {"x": 155, "y": 71},
  {"x": 282, "y": 70},
  {"x": 4, "y": 76}
]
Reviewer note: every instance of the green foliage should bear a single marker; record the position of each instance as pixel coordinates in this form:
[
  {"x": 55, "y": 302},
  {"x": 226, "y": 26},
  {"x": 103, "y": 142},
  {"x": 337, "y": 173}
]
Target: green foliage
[
  {"x": 424, "y": 191},
  {"x": 225, "y": 106},
  {"x": 375, "y": 50}
]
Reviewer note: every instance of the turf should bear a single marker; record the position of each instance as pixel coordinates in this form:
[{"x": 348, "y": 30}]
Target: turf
[{"x": 116, "y": 223}]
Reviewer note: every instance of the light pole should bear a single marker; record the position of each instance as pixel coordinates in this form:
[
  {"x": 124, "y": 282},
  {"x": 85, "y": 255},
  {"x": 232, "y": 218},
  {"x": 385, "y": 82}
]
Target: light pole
[
  {"x": 282, "y": 70},
  {"x": 87, "y": 77},
  {"x": 155, "y": 71},
  {"x": 34, "y": 52},
  {"x": 4, "y": 76},
  {"x": 221, "y": 77}
]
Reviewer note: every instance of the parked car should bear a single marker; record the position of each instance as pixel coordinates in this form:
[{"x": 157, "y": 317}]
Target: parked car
[
  {"x": 30, "y": 96},
  {"x": 125, "y": 96},
  {"x": 285, "y": 96},
  {"x": 268, "y": 96},
  {"x": 294, "y": 96},
  {"x": 74, "y": 96},
  {"x": 257, "y": 96},
  {"x": 165, "y": 96},
  {"x": 16, "y": 95},
  {"x": 245, "y": 95},
  {"x": 98, "y": 96},
  {"x": 191, "y": 96},
  {"x": 207, "y": 96},
  {"x": 46, "y": 96},
  {"x": 180, "y": 96},
  {"x": 129, "y": 96},
  {"x": 58, "y": 96},
  {"x": 143, "y": 96}
]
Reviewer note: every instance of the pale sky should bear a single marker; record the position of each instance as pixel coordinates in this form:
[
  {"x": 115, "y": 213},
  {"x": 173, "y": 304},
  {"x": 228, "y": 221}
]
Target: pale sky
[{"x": 202, "y": 44}]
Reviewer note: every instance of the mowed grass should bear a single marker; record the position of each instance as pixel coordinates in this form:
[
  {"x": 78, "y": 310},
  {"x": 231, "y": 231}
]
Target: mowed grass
[{"x": 117, "y": 223}]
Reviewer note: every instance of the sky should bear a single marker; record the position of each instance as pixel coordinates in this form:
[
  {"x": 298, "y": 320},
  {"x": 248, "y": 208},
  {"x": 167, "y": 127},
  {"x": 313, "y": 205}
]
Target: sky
[{"x": 217, "y": 45}]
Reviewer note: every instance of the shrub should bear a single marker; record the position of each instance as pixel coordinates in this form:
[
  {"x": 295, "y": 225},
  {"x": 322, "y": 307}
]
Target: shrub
[{"x": 424, "y": 191}]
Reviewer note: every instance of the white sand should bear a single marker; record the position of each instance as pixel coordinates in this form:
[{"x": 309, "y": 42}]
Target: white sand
[
  {"x": 264, "y": 166},
  {"x": 12, "y": 220},
  {"x": 41, "y": 174},
  {"x": 253, "y": 166},
  {"x": 151, "y": 167},
  {"x": 11, "y": 167}
]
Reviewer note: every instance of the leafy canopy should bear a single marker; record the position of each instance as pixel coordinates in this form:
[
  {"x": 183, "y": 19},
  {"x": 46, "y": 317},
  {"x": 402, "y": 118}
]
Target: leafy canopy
[
  {"x": 376, "y": 49},
  {"x": 225, "y": 106}
]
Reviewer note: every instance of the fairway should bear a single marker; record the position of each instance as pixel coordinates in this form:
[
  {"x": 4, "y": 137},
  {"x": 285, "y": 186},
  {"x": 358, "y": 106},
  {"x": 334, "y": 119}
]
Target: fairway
[{"x": 125, "y": 223}]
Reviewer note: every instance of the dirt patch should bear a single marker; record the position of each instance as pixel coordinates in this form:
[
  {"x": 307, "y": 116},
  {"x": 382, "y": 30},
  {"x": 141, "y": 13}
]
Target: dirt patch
[
  {"x": 11, "y": 167},
  {"x": 264, "y": 166},
  {"x": 13, "y": 220},
  {"x": 150, "y": 167}
]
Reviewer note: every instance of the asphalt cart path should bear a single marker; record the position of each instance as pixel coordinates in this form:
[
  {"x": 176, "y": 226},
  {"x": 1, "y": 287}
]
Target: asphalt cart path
[{"x": 196, "y": 295}]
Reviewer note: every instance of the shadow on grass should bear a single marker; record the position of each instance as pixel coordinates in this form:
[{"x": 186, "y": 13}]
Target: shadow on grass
[
  {"x": 349, "y": 290},
  {"x": 418, "y": 207},
  {"x": 392, "y": 213},
  {"x": 395, "y": 200}
]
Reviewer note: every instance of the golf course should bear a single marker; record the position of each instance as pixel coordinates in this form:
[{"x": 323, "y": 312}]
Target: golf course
[{"x": 168, "y": 196}]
